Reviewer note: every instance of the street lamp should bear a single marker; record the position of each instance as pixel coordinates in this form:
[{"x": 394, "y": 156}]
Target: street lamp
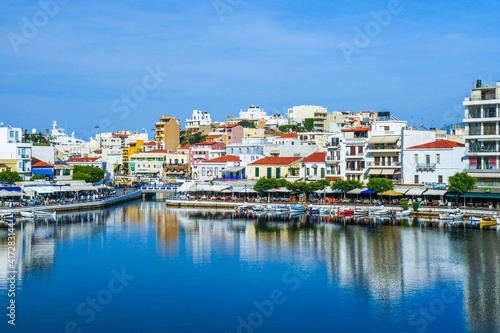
[{"x": 246, "y": 195}]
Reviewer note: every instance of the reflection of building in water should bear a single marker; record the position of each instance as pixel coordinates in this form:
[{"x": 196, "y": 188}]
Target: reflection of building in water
[
  {"x": 482, "y": 282},
  {"x": 249, "y": 241},
  {"x": 388, "y": 262},
  {"x": 167, "y": 232},
  {"x": 36, "y": 242},
  {"x": 34, "y": 251}
]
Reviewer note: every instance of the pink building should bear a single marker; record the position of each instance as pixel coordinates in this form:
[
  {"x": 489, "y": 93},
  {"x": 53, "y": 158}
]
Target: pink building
[
  {"x": 234, "y": 132},
  {"x": 205, "y": 150}
]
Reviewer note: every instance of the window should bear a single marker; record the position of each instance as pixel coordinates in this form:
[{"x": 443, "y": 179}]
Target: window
[
  {"x": 427, "y": 159},
  {"x": 474, "y": 112},
  {"x": 438, "y": 158},
  {"x": 269, "y": 172},
  {"x": 474, "y": 129},
  {"x": 490, "y": 111},
  {"x": 440, "y": 179},
  {"x": 257, "y": 172},
  {"x": 415, "y": 179},
  {"x": 415, "y": 158},
  {"x": 386, "y": 128},
  {"x": 203, "y": 171},
  {"x": 489, "y": 128},
  {"x": 216, "y": 172},
  {"x": 278, "y": 172}
]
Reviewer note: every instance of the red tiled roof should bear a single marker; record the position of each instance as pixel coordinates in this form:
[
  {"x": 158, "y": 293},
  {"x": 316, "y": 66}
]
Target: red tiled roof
[
  {"x": 223, "y": 159},
  {"x": 214, "y": 135},
  {"x": 317, "y": 157},
  {"x": 150, "y": 143},
  {"x": 356, "y": 129},
  {"x": 270, "y": 160},
  {"x": 41, "y": 164},
  {"x": 184, "y": 147},
  {"x": 156, "y": 151},
  {"x": 82, "y": 159},
  {"x": 290, "y": 135},
  {"x": 228, "y": 125},
  {"x": 206, "y": 143},
  {"x": 438, "y": 144}
]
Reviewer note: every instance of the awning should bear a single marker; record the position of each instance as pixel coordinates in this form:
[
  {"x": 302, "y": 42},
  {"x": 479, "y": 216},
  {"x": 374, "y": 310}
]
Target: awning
[
  {"x": 375, "y": 171},
  {"x": 293, "y": 179},
  {"x": 367, "y": 191},
  {"x": 484, "y": 175},
  {"x": 356, "y": 191},
  {"x": 383, "y": 139},
  {"x": 185, "y": 187},
  {"x": 5, "y": 193},
  {"x": 391, "y": 193},
  {"x": 209, "y": 188},
  {"x": 415, "y": 191},
  {"x": 481, "y": 195},
  {"x": 435, "y": 192},
  {"x": 388, "y": 171},
  {"x": 233, "y": 169},
  {"x": 43, "y": 189},
  {"x": 83, "y": 187},
  {"x": 45, "y": 172}
]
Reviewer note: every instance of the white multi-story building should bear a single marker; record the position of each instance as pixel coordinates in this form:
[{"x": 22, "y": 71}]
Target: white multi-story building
[
  {"x": 253, "y": 113},
  {"x": 198, "y": 118},
  {"x": 15, "y": 154},
  {"x": 298, "y": 114},
  {"x": 482, "y": 136},
  {"x": 432, "y": 162}
]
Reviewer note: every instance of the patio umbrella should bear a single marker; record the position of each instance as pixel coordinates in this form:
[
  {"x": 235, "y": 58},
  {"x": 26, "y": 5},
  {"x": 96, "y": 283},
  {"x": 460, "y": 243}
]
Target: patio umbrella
[{"x": 391, "y": 193}]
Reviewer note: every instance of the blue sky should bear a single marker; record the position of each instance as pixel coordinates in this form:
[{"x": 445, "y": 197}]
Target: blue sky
[{"x": 83, "y": 59}]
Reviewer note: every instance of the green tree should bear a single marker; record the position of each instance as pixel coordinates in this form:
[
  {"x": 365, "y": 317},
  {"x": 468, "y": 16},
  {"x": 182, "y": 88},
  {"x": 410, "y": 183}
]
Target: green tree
[
  {"x": 247, "y": 123},
  {"x": 10, "y": 176},
  {"x": 404, "y": 203},
  {"x": 88, "y": 173},
  {"x": 35, "y": 177},
  {"x": 378, "y": 185},
  {"x": 264, "y": 184},
  {"x": 346, "y": 185},
  {"x": 188, "y": 138},
  {"x": 309, "y": 124},
  {"x": 460, "y": 183}
]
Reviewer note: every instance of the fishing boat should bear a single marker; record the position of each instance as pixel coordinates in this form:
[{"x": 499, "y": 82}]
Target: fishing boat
[
  {"x": 44, "y": 214},
  {"x": 241, "y": 208},
  {"x": 258, "y": 208},
  {"x": 298, "y": 209},
  {"x": 456, "y": 216},
  {"x": 378, "y": 212},
  {"x": 360, "y": 212},
  {"x": 403, "y": 213},
  {"x": 346, "y": 212},
  {"x": 29, "y": 215},
  {"x": 474, "y": 220},
  {"x": 488, "y": 222}
]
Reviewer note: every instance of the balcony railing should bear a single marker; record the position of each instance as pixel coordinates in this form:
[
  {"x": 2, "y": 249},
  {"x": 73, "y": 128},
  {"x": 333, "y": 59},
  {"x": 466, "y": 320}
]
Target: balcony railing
[
  {"x": 388, "y": 164},
  {"x": 426, "y": 166},
  {"x": 381, "y": 147}
]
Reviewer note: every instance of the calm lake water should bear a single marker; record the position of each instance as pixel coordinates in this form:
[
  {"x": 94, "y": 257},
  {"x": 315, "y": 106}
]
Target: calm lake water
[{"x": 145, "y": 268}]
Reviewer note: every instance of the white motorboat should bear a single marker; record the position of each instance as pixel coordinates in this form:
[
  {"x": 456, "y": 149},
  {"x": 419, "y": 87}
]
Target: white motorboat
[{"x": 44, "y": 214}]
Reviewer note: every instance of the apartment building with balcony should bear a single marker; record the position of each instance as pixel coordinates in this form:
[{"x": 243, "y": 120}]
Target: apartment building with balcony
[
  {"x": 167, "y": 131},
  {"x": 203, "y": 151},
  {"x": 198, "y": 119},
  {"x": 334, "y": 157},
  {"x": 314, "y": 166},
  {"x": 298, "y": 114},
  {"x": 15, "y": 153},
  {"x": 482, "y": 135},
  {"x": 158, "y": 164},
  {"x": 353, "y": 152},
  {"x": 433, "y": 162}
]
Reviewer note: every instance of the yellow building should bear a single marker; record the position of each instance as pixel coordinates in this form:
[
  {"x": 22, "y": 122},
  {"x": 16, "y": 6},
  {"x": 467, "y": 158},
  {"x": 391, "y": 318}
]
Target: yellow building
[
  {"x": 127, "y": 151},
  {"x": 168, "y": 133},
  {"x": 274, "y": 167},
  {"x": 158, "y": 164}
]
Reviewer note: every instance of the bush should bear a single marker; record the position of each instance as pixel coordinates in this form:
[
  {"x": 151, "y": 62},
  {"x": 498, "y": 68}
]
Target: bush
[
  {"x": 415, "y": 205},
  {"x": 404, "y": 203}
]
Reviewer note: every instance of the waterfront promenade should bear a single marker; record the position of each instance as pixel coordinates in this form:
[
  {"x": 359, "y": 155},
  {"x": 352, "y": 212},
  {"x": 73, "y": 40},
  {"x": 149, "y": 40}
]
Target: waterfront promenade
[
  {"x": 431, "y": 212},
  {"x": 119, "y": 198}
]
